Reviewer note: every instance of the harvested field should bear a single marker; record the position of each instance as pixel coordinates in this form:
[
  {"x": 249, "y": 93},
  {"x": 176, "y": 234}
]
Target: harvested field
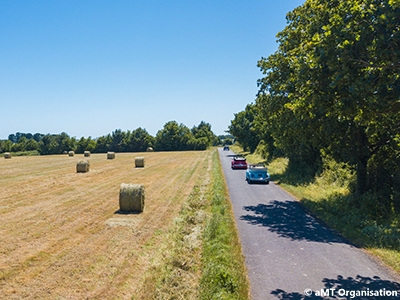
[{"x": 61, "y": 236}]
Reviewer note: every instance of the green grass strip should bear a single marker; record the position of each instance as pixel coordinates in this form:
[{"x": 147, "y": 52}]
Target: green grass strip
[{"x": 224, "y": 274}]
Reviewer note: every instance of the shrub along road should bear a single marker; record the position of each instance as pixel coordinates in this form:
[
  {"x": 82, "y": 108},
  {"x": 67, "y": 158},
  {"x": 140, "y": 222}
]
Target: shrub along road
[{"x": 291, "y": 255}]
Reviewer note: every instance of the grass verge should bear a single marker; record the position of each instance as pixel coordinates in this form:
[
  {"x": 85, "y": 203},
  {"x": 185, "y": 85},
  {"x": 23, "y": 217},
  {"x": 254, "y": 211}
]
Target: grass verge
[
  {"x": 200, "y": 257},
  {"x": 224, "y": 275}
]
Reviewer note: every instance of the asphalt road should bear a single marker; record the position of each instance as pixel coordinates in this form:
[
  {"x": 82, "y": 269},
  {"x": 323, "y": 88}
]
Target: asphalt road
[{"x": 288, "y": 252}]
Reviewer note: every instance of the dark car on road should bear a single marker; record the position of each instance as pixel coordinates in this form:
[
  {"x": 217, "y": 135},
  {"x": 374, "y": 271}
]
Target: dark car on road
[{"x": 226, "y": 148}]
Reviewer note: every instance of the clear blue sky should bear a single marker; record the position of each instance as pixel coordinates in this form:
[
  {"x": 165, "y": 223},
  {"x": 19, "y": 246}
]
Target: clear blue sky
[{"x": 89, "y": 67}]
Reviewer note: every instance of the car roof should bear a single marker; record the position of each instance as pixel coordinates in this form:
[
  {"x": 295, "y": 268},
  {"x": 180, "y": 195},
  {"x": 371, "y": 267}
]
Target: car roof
[{"x": 257, "y": 167}]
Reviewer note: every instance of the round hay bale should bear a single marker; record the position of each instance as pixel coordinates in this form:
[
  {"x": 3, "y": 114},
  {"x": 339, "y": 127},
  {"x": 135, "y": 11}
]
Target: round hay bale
[
  {"x": 131, "y": 197},
  {"x": 139, "y": 162},
  {"x": 82, "y": 166},
  {"x": 7, "y": 155},
  {"x": 86, "y": 153},
  {"x": 71, "y": 153},
  {"x": 110, "y": 155},
  {"x": 150, "y": 149}
]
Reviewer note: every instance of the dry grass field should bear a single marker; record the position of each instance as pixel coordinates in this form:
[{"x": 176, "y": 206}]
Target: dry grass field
[{"x": 61, "y": 235}]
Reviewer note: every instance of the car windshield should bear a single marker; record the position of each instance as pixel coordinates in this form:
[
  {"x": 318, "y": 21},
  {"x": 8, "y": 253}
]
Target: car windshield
[{"x": 257, "y": 168}]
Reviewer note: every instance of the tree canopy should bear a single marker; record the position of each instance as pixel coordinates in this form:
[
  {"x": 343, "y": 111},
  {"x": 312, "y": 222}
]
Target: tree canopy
[
  {"x": 172, "y": 137},
  {"x": 176, "y": 136},
  {"x": 333, "y": 85},
  {"x": 243, "y": 128}
]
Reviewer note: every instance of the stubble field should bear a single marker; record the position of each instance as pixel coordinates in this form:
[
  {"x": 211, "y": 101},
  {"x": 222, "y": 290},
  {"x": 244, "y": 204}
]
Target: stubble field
[{"x": 61, "y": 235}]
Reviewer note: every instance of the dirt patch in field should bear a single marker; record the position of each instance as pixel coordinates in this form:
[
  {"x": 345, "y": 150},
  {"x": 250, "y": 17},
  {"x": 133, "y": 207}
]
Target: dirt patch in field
[{"x": 62, "y": 236}]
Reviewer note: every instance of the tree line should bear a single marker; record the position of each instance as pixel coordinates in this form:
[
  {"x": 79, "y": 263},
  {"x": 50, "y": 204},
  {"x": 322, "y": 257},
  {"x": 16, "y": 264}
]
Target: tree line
[
  {"x": 333, "y": 88},
  {"x": 173, "y": 137}
]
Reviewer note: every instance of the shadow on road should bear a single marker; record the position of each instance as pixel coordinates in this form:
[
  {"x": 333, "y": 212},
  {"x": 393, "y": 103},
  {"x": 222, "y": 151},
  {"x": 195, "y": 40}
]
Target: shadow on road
[
  {"x": 233, "y": 155},
  {"x": 373, "y": 289},
  {"x": 289, "y": 220}
]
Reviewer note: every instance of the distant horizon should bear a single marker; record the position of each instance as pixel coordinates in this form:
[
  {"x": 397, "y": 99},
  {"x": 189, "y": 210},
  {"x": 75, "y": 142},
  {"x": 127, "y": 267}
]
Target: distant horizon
[{"x": 95, "y": 137}]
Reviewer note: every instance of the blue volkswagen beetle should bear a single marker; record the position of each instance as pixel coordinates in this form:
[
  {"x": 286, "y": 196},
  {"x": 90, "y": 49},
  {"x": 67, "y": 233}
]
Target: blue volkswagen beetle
[{"x": 257, "y": 173}]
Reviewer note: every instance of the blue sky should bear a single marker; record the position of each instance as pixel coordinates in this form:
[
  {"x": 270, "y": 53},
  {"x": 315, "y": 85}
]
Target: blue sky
[{"x": 89, "y": 67}]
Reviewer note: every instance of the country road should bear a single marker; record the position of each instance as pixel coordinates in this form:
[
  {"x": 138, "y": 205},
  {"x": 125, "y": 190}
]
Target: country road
[{"x": 291, "y": 255}]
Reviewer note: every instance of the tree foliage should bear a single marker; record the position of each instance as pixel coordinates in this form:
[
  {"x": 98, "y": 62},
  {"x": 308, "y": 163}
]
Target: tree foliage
[
  {"x": 172, "y": 137},
  {"x": 334, "y": 85},
  {"x": 140, "y": 140},
  {"x": 176, "y": 136},
  {"x": 243, "y": 128}
]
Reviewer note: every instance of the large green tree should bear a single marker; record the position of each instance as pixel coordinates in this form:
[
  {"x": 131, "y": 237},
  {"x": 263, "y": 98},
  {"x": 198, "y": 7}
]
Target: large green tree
[
  {"x": 243, "y": 128},
  {"x": 139, "y": 140},
  {"x": 119, "y": 141},
  {"x": 334, "y": 82},
  {"x": 173, "y": 137},
  {"x": 49, "y": 145},
  {"x": 103, "y": 144},
  {"x": 203, "y": 137},
  {"x": 85, "y": 144}
]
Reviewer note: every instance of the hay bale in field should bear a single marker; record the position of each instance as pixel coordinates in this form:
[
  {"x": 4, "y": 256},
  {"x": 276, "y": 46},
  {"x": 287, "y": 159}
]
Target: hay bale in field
[
  {"x": 86, "y": 153},
  {"x": 131, "y": 197},
  {"x": 110, "y": 155},
  {"x": 71, "y": 153},
  {"x": 139, "y": 162},
  {"x": 82, "y": 166},
  {"x": 150, "y": 149},
  {"x": 7, "y": 155}
]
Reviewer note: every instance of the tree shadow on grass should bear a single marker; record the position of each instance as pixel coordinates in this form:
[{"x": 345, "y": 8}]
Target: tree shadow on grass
[
  {"x": 293, "y": 179},
  {"x": 297, "y": 175},
  {"x": 289, "y": 220},
  {"x": 367, "y": 223},
  {"x": 367, "y": 288}
]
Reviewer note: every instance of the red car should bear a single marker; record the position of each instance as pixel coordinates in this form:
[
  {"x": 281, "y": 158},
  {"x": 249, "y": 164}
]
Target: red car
[{"x": 239, "y": 163}]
